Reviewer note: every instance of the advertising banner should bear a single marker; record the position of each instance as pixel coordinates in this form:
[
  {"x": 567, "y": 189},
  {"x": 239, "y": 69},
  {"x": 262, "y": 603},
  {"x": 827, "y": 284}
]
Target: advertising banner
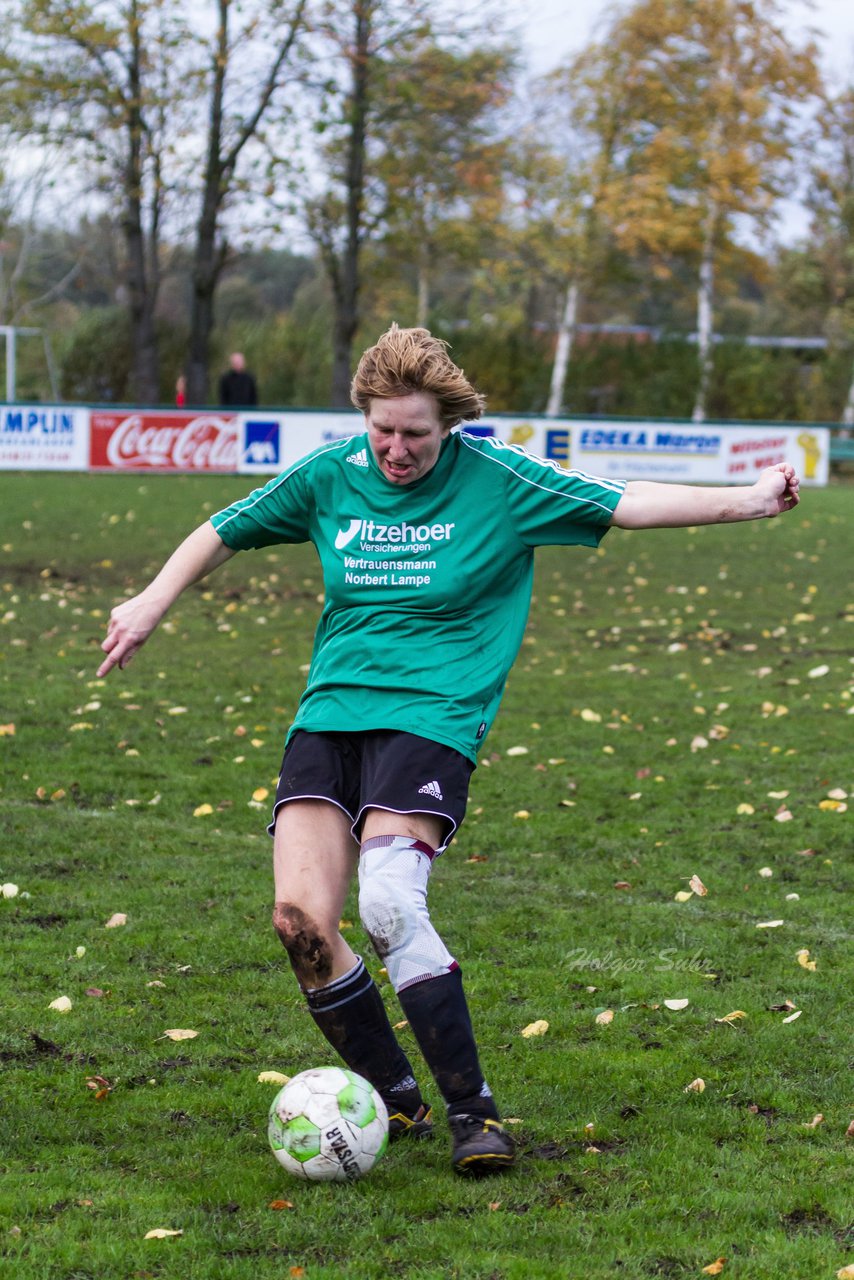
[
  {"x": 42, "y": 437},
  {"x": 692, "y": 454},
  {"x": 265, "y": 442},
  {"x": 164, "y": 440},
  {"x": 273, "y": 441}
]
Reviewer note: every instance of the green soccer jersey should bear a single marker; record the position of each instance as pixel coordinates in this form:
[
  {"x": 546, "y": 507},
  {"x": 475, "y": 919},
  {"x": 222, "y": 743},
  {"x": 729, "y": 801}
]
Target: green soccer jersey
[{"x": 428, "y": 584}]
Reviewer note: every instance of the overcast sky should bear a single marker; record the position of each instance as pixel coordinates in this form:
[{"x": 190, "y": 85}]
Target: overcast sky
[{"x": 555, "y": 28}]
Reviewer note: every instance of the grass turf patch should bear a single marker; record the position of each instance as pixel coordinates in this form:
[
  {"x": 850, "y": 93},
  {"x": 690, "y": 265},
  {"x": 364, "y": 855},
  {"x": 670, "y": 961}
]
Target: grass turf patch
[{"x": 677, "y": 695}]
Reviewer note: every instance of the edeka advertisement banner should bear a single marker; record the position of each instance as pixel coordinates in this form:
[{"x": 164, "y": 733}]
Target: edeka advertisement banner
[
  {"x": 690, "y": 453},
  {"x": 42, "y": 437},
  {"x": 164, "y": 440}
]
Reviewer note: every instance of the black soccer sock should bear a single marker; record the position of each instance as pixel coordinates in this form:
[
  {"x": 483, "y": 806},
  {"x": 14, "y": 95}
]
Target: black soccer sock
[
  {"x": 351, "y": 1014},
  {"x": 439, "y": 1017}
]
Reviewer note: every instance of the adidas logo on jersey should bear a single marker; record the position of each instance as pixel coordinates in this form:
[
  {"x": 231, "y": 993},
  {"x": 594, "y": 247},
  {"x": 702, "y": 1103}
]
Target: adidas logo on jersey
[
  {"x": 431, "y": 789},
  {"x": 359, "y": 459}
]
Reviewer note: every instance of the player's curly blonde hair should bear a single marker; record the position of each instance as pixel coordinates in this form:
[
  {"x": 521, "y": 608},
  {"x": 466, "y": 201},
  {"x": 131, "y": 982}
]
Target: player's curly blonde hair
[{"x": 408, "y": 360}]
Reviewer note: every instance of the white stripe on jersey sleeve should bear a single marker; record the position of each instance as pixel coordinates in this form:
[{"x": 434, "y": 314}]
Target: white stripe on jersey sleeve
[
  {"x": 613, "y": 486},
  {"x": 286, "y": 475}
]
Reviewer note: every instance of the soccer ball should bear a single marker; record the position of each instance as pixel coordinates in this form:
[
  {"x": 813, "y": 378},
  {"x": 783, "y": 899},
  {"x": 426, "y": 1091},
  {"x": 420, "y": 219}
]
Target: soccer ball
[{"x": 328, "y": 1125}]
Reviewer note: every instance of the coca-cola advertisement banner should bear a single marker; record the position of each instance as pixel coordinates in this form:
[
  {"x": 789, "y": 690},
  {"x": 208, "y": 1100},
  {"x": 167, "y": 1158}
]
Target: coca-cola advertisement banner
[
  {"x": 166, "y": 440},
  {"x": 42, "y": 437}
]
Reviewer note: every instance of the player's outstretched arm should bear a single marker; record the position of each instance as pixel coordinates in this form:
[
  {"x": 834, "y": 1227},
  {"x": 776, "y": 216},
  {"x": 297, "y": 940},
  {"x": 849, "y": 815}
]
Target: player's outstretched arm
[
  {"x": 646, "y": 504},
  {"x": 132, "y": 622}
]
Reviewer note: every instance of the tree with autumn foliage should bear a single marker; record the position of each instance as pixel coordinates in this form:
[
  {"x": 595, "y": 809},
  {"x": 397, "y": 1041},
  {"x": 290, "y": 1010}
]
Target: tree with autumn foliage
[
  {"x": 830, "y": 199},
  {"x": 129, "y": 90},
  {"x": 406, "y": 147},
  {"x": 709, "y": 94},
  {"x": 101, "y": 80},
  {"x": 250, "y": 60},
  {"x": 441, "y": 158},
  {"x": 562, "y": 164}
]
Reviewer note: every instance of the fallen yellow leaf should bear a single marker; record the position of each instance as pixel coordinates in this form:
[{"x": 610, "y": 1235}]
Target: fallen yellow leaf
[
  {"x": 815, "y": 1122},
  {"x": 179, "y": 1033},
  {"x": 7, "y": 731},
  {"x": 400, "y": 1026},
  {"x": 61, "y": 1004},
  {"x": 260, "y": 793},
  {"x": 745, "y": 808},
  {"x": 684, "y": 895},
  {"x": 115, "y": 921},
  {"x": 846, "y": 1273},
  {"x": 281, "y": 1204},
  {"x": 833, "y": 806},
  {"x": 676, "y": 1004},
  {"x": 161, "y": 1233},
  {"x": 538, "y": 1028},
  {"x": 803, "y": 959},
  {"x": 714, "y": 1268},
  {"x": 770, "y": 924},
  {"x": 272, "y": 1077},
  {"x": 202, "y": 810},
  {"x": 696, "y": 1086},
  {"x": 602, "y": 1019},
  {"x": 521, "y": 813},
  {"x": 696, "y": 885},
  {"x": 793, "y": 1016},
  {"x": 735, "y": 1016}
]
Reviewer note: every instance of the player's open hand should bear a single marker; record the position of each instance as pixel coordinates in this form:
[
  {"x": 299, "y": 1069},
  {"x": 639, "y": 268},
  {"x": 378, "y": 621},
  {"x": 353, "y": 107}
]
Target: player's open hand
[
  {"x": 131, "y": 623},
  {"x": 779, "y": 486}
]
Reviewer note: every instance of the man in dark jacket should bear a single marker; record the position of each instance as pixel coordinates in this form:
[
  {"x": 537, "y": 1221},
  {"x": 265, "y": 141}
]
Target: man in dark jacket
[{"x": 237, "y": 386}]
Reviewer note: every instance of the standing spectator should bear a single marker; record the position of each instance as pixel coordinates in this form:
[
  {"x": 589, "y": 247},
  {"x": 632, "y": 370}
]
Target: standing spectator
[
  {"x": 180, "y": 391},
  {"x": 237, "y": 386}
]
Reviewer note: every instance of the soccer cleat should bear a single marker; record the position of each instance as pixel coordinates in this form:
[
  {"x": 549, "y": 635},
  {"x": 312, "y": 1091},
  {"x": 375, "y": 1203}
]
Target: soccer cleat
[
  {"x": 418, "y": 1126},
  {"x": 481, "y": 1145}
]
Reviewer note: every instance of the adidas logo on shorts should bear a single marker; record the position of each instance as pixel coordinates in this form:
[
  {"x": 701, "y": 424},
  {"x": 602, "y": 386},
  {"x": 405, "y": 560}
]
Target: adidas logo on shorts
[
  {"x": 358, "y": 459},
  {"x": 431, "y": 789}
]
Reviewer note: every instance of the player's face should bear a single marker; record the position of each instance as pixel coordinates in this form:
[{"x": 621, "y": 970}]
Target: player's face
[{"x": 406, "y": 434}]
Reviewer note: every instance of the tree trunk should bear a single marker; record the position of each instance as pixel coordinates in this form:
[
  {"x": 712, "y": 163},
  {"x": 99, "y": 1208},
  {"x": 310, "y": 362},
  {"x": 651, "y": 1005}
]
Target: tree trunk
[
  {"x": 207, "y": 261},
  {"x": 563, "y": 350},
  {"x": 848, "y": 411},
  {"x": 210, "y": 252},
  {"x": 422, "y": 306},
  {"x": 705, "y": 318},
  {"x": 141, "y": 275},
  {"x": 347, "y": 293}
]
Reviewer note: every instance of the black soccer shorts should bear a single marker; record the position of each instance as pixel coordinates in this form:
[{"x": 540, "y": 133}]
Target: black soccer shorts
[{"x": 377, "y": 769}]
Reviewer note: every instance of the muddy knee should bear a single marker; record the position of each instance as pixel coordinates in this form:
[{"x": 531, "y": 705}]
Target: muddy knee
[{"x": 308, "y": 947}]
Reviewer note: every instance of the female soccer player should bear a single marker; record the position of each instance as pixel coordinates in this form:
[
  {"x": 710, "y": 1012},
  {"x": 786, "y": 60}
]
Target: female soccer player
[{"x": 426, "y": 536}]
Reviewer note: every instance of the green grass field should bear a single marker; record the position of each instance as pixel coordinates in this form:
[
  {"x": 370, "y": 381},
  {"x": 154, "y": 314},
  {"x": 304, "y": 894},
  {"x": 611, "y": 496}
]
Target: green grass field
[{"x": 678, "y": 695}]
